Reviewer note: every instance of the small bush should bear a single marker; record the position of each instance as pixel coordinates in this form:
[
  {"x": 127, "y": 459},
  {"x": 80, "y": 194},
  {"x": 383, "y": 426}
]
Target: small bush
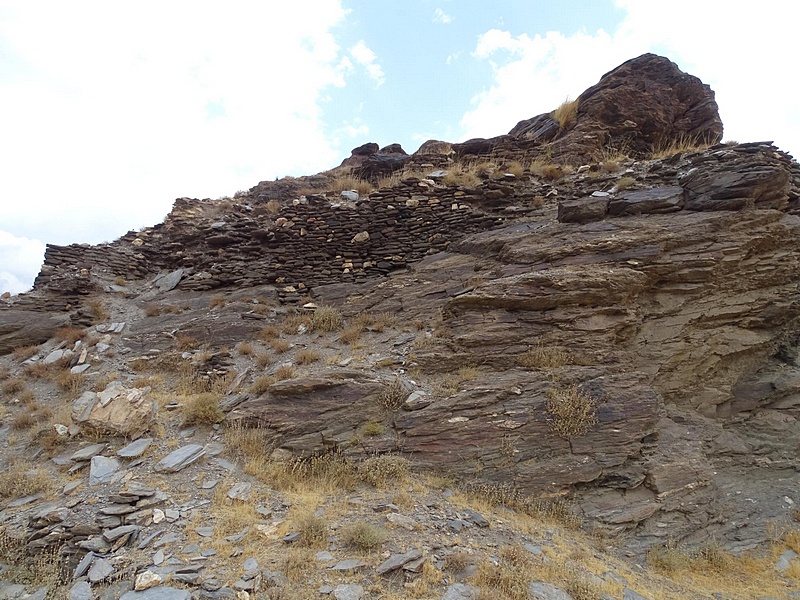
[
  {"x": 566, "y": 114},
  {"x": 363, "y": 536},
  {"x": 97, "y": 310},
  {"x": 515, "y": 168},
  {"x": 217, "y": 300},
  {"x": 19, "y": 481},
  {"x": 70, "y": 382},
  {"x": 245, "y": 348},
  {"x": 572, "y": 411},
  {"x": 313, "y": 530},
  {"x": 372, "y": 428},
  {"x": 263, "y": 359},
  {"x": 284, "y": 372},
  {"x": 23, "y": 420},
  {"x": 273, "y": 207},
  {"x": 380, "y": 470},
  {"x": 202, "y": 409}
]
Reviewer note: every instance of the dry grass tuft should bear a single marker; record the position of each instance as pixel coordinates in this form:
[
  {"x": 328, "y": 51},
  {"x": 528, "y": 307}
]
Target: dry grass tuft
[
  {"x": 341, "y": 184},
  {"x": 374, "y": 321},
  {"x": 263, "y": 359},
  {"x": 363, "y": 536},
  {"x": 544, "y": 357},
  {"x": 684, "y": 143},
  {"x": 24, "y": 353},
  {"x": 461, "y": 175},
  {"x": 273, "y": 207},
  {"x": 184, "y": 342},
  {"x": 351, "y": 335},
  {"x": 509, "y": 577},
  {"x": 12, "y": 386},
  {"x": 373, "y": 428},
  {"x": 285, "y": 372},
  {"x": 326, "y": 319},
  {"x": 202, "y": 409},
  {"x": 566, "y": 114},
  {"x": 324, "y": 473},
  {"x": 268, "y": 333},
  {"x": 72, "y": 383},
  {"x": 261, "y": 384},
  {"x": 19, "y": 481},
  {"x": 450, "y": 383},
  {"x": 547, "y": 171},
  {"x": 97, "y": 310},
  {"x": 217, "y": 300},
  {"x": 247, "y": 444},
  {"x": 69, "y": 334},
  {"x": 306, "y": 357},
  {"x": 279, "y": 346},
  {"x": 245, "y": 348},
  {"x": 313, "y": 530}
]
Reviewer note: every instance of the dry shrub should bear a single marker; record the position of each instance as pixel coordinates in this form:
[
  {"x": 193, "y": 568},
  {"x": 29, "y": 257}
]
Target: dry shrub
[
  {"x": 273, "y": 207},
  {"x": 261, "y": 384},
  {"x": 610, "y": 166},
  {"x": 393, "y": 396},
  {"x": 484, "y": 169},
  {"x": 69, "y": 334},
  {"x": 313, "y": 530},
  {"x": 350, "y": 335},
  {"x": 285, "y": 372},
  {"x": 684, "y": 143},
  {"x": 279, "y": 346},
  {"x": 547, "y": 171},
  {"x": 24, "y": 353},
  {"x": 268, "y": 333},
  {"x": 306, "y": 357},
  {"x": 458, "y": 561},
  {"x": 363, "y": 536},
  {"x": 263, "y": 359},
  {"x": 326, "y": 318},
  {"x": 509, "y": 578},
  {"x": 572, "y": 411},
  {"x": 516, "y": 168},
  {"x": 450, "y": 383},
  {"x": 72, "y": 383},
  {"x": 12, "y": 386},
  {"x": 625, "y": 183},
  {"x": 298, "y": 564},
  {"x": 217, "y": 300},
  {"x": 380, "y": 470},
  {"x": 566, "y": 114},
  {"x": 202, "y": 409},
  {"x": 460, "y": 175},
  {"x": 321, "y": 473},
  {"x": 544, "y": 357},
  {"x": 23, "y": 420},
  {"x": 184, "y": 342},
  {"x": 374, "y": 321},
  {"x": 96, "y": 309},
  {"x": 341, "y": 184},
  {"x": 373, "y": 428},
  {"x": 18, "y": 482},
  {"x": 245, "y": 348},
  {"x": 246, "y": 443}
]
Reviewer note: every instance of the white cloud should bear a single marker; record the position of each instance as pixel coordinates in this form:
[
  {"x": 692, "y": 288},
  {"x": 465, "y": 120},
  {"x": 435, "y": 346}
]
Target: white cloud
[
  {"x": 741, "y": 54},
  {"x": 367, "y": 59},
  {"x": 20, "y": 261},
  {"x": 439, "y": 16},
  {"x": 104, "y": 107}
]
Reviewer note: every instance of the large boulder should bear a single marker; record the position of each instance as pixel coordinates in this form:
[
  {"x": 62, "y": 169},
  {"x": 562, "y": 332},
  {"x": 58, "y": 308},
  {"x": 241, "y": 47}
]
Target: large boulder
[
  {"x": 119, "y": 410},
  {"x": 645, "y": 103}
]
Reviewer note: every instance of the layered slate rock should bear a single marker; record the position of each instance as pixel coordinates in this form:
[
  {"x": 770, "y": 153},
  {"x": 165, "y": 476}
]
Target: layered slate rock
[{"x": 19, "y": 328}]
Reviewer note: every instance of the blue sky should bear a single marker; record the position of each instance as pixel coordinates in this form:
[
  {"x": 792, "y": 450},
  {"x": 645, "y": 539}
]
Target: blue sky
[{"x": 110, "y": 111}]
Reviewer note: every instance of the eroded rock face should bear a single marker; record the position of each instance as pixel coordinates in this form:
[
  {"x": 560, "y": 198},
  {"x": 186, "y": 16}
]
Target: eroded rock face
[{"x": 20, "y": 328}]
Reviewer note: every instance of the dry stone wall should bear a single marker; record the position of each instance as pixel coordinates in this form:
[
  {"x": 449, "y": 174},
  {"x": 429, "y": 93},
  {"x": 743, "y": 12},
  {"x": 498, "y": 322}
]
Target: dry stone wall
[{"x": 309, "y": 242}]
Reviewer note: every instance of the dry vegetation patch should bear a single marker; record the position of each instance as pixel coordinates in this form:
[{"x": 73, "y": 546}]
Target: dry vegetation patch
[
  {"x": 571, "y": 410},
  {"x": 566, "y": 114}
]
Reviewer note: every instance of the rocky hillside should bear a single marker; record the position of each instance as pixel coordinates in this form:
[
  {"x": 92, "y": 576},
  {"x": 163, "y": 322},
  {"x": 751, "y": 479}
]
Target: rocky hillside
[{"x": 559, "y": 363}]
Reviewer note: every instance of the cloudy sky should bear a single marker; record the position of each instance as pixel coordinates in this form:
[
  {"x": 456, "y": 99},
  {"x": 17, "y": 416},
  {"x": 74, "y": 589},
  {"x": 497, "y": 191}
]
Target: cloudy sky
[{"x": 109, "y": 111}]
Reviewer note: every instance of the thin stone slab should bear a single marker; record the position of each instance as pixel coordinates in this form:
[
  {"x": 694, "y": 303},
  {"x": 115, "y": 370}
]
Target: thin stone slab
[
  {"x": 81, "y": 591},
  {"x": 77, "y": 369},
  {"x": 396, "y": 561},
  {"x": 540, "y": 590},
  {"x": 169, "y": 281},
  {"x": 348, "y": 591},
  {"x": 135, "y": 449},
  {"x": 460, "y": 591},
  {"x": 103, "y": 469},
  {"x": 348, "y": 565},
  {"x": 240, "y": 491},
  {"x": 101, "y": 569},
  {"x": 87, "y": 452},
  {"x": 158, "y": 593},
  {"x": 180, "y": 458}
]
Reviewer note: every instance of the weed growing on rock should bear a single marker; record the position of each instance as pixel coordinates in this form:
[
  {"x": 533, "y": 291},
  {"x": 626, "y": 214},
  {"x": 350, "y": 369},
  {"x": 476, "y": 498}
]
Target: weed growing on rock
[
  {"x": 245, "y": 349},
  {"x": 97, "y": 310},
  {"x": 544, "y": 357},
  {"x": 566, "y": 114},
  {"x": 572, "y": 411},
  {"x": 269, "y": 333},
  {"x": 263, "y": 359},
  {"x": 279, "y": 346},
  {"x": 285, "y": 372},
  {"x": 372, "y": 428},
  {"x": 624, "y": 183},
  {"x": 326, "y": 319},
  {"x": 261, "y": 385}
]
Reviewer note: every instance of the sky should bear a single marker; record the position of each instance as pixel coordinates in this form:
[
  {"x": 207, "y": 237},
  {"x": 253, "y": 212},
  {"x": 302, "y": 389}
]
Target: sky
[{"x": 110, "y": 110}]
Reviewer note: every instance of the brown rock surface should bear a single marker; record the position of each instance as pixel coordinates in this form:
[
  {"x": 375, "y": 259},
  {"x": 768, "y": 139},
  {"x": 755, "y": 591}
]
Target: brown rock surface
[{"x": 20, "y": 328}]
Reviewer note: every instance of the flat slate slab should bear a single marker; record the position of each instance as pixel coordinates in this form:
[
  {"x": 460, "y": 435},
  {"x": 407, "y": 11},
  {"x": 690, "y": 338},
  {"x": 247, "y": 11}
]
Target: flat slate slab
[
  {"x": 180, "y": 458},
  {"x": 158, "y": 593},
  {"x": 135, "y": 449}
]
